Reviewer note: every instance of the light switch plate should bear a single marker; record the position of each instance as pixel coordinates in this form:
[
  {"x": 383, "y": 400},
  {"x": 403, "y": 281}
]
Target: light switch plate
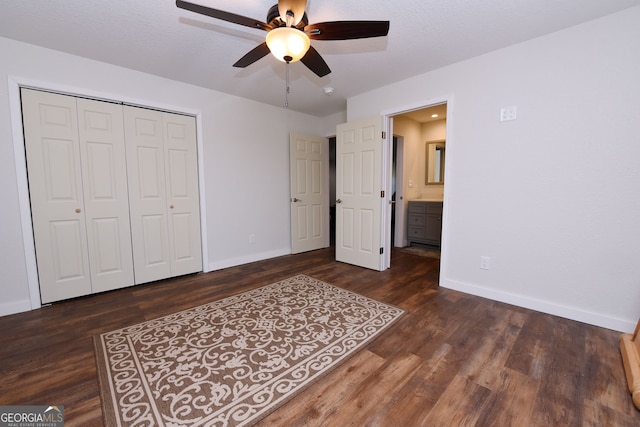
[
  {"x": 485, "y": 262},
  {"x": 508, "y": 113}
]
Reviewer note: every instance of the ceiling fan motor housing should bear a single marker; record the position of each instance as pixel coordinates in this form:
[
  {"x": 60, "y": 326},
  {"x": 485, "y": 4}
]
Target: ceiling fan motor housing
[{"x": 273, "y": 18}]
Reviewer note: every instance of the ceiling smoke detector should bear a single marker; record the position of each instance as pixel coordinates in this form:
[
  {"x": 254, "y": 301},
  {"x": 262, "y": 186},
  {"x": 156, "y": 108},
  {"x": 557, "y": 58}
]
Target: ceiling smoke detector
[{"x": 328, "y": 91}]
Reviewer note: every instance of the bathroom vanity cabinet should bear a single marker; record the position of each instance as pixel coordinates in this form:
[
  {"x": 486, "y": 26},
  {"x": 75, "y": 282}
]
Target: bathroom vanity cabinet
[{"x": 424, "y": 222}]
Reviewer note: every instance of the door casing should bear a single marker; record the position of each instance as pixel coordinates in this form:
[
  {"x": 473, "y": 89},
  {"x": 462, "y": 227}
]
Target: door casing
[{"x": 387, "y": 123}]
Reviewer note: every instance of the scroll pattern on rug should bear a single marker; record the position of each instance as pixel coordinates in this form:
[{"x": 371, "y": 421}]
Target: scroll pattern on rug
[{"x": 233, "y": 361}]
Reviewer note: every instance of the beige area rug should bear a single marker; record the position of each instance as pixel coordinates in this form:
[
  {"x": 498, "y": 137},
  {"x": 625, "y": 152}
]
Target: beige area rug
[
  {"x": 425, "y": 251},
  {"x": 233, "y": 361}
]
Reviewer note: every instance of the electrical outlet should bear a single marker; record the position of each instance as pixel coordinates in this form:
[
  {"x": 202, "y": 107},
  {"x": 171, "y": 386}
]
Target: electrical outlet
[
  {"x": 508, "y": 113},
  {"x": 485, "y": 262},
  {"x": 252, "y": 238}
]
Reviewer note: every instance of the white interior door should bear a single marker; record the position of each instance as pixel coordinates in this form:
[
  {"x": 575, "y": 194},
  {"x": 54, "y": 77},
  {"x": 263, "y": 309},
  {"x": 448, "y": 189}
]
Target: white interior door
[
  {"x": 147, "y": 194},
  {"x": 181, "y": 166},
  {"x": 163, "y": 191},
  {"x": 106, "y": 202},
  {"x": 309, "y": 193},
  {"x": 112, "y": 189},
  {"x": 359, "y": 196},
  {"x": 55, "y": 191}
]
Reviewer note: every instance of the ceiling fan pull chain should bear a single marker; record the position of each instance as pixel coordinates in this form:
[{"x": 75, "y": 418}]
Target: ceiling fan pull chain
[{"x": 288, "y": 89}]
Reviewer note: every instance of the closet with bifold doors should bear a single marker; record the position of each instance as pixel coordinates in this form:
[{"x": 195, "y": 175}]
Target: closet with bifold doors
[{"x": 113, "y": 191}]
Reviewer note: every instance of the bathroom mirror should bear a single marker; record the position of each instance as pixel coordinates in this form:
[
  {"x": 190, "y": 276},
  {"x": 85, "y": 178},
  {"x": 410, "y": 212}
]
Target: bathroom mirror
[{"x": 435, "y": 162}]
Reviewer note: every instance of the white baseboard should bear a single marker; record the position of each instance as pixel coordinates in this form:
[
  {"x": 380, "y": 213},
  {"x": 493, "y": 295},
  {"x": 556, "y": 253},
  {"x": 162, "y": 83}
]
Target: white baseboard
[
  {"x": 25, "y": 305},
  {"x": 572, "y": 313},
  {"x": 15, "y": 307},
  {"x": 232, "y": 262}
]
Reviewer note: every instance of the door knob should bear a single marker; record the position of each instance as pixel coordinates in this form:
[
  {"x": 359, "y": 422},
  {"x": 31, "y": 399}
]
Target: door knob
[
  {"x": 295, "y": 199},
  {"x": 78, "y": 210},
  {"x": 170, "y": 206},
  {"x": 338, "y": 201}
]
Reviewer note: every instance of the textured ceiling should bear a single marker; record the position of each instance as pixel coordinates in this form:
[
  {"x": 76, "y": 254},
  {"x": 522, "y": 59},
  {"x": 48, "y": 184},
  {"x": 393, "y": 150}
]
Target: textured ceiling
[{"x": 156, "y": 37}]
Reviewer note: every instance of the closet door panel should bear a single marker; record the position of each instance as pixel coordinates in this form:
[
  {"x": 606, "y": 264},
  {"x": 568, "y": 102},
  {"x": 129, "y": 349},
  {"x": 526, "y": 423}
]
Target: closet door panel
[
  {"x": 155, "y": 247},
  {"x": 102, "y": 151},
  {"x": 147, "y": 194},
  {"x": 182, "y": 193},
  {"x": 56, "y": 194}
]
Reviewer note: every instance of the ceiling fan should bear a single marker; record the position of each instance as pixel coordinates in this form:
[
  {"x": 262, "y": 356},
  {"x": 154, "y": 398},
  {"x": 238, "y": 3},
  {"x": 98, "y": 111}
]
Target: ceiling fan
[{"x": 289, "y": 33}]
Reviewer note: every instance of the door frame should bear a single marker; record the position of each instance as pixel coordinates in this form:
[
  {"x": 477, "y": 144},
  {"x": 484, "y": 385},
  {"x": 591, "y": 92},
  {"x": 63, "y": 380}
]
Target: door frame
[
  {"x": 400, "y": 226},
  {"x": 387, "y": 127},
  {"x": 15, "y": 110}
]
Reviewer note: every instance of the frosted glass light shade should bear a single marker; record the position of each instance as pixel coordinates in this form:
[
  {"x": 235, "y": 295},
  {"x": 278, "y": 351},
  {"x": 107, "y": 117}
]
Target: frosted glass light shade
[{"x": 287, "y": 42}]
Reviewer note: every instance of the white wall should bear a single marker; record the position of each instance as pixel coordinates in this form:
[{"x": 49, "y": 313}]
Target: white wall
[
  {"x": 246, "y": 157},
  {"x": 554, "y": 196},
  {"x": 435, "y": 130},
  {"x": 330, "y": 123}
]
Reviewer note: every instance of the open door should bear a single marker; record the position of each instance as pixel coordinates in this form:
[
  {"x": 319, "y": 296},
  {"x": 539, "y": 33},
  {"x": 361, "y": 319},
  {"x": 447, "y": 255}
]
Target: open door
[
  {"x": 309, "y": 162},
  {"x": 359, "y": 194}
]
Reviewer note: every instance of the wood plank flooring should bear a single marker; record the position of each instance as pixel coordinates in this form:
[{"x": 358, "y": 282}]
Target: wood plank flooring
[{"x": 453, "y": 359}]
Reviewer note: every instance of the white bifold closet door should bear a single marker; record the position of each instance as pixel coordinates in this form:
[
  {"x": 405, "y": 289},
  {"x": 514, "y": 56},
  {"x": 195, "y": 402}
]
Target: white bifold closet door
[
  {"x": 78, "y": 191},
  {"x": 163, "y": 191},
  {"x": 114, "y": 194}
]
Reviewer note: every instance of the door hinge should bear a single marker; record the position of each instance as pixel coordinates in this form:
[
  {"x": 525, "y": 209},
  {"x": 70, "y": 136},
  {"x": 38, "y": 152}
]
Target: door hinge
[
  {"x": 382, "y": 194},
  {"x": 381, "y": 251},
  {"x": 384, "y": 135}
]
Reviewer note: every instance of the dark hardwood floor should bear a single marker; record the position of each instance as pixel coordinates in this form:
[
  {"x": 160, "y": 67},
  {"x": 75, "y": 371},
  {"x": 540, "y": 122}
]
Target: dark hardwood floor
[{"x": 453, "y": 359}]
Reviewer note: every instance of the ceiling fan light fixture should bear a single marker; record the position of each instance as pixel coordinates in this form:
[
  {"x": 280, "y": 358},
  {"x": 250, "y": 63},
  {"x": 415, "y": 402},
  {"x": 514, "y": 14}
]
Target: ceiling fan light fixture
[{"x": 288, "y": 44}]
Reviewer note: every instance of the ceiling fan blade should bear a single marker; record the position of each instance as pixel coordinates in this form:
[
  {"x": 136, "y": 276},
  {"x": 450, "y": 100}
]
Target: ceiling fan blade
[
  {"x": 254, "y": 54},
  {"x": 346, "y": 30},
  {"x": 295, "y": 7},
  {"x": 225, "y": 16},
  {"x": 315, "y": 63}
]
